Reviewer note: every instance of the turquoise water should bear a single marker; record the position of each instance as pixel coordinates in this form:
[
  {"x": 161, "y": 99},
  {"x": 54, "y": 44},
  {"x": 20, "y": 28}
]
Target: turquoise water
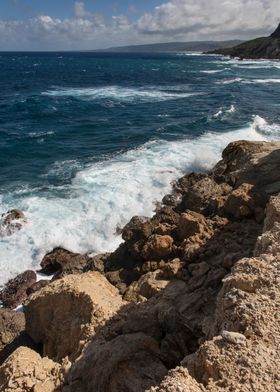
[{"x": 89, "y": 140}]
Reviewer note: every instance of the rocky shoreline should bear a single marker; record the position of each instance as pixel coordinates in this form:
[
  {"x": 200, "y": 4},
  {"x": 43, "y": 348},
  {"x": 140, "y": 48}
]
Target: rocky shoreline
[{"x": 189, "y": 301}]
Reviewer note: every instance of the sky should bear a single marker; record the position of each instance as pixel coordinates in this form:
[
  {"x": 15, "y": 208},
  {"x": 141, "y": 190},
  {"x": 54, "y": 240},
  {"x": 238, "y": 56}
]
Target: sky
[{"x": 96, "y": 24}]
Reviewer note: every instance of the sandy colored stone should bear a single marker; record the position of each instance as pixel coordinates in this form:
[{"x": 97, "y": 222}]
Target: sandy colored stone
[
  {"x": 157, "y": 247},
  {"x": 64, "y": 314},
  {"x": 26, "y": 371}
]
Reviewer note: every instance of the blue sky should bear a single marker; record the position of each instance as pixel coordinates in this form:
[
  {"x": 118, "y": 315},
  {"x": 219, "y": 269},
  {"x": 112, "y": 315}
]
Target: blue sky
[{"x": 93, "y": 24}]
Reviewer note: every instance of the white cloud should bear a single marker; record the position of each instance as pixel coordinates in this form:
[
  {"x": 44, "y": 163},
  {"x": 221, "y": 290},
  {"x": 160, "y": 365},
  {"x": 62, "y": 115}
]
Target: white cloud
[
  {"x": 196, "y": 19},
  {"x": 175, "y": 19}
]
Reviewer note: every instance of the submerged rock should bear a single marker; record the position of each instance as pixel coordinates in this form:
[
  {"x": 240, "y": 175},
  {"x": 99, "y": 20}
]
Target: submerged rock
[{"x": 11, "y": 222}]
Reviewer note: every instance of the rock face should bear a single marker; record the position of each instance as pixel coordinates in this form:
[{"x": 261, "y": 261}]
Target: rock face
[
  {"x": 196, "y": 289},
  {"x": 64, "y": 314},
  {"x": 11, "y": 222},
  {"x": 26, "y": 371},
  {"x": 266, "y": 47},
  {"x": 12, "y": 325},
  {"x": 15, "y": 291}
]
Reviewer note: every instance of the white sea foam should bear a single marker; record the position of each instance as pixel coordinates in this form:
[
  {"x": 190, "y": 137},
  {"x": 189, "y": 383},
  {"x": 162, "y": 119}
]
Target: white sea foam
[
  {"x": 223, "y": 111},
  {"x": 107, "y": 194},
  {"x": 248, "y": 81},
  {"x": 120, "y": 94}
]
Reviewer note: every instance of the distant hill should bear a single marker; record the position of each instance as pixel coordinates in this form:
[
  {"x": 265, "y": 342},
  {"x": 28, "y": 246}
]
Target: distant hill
[
  {"x": 196, "y": 46},
  {"x": 264, "y": 47}
]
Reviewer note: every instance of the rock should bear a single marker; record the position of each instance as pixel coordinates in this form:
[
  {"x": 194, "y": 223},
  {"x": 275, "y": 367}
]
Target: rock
[
  {"x": 14, "y": 292},
  {"x": 61, "y": 262},
  {"x": 202, "y": 194},
  {"x": 178, "y": 380},
  {"x": 240, "y": 202},
  {"x": 37, "y": 286},
  {"x": 157, "y": 247},
  {"x": 272, "y": 213},
  {"x": 128, "y": 363},
  {"x": 67, "y": 312},
  {"x": 26, "y": 371},
  {"x": 12, "y": 325},
  {"x": 11, "y": 222},
  {"x": 147, "y": 286},
  {"x": 138, "y": 228},
  {"x": 190, "y": 223},
  {"x": 233, "y": 337},
  {"x": 97, "y": 263},
  {"x": 254, "y": 163}
]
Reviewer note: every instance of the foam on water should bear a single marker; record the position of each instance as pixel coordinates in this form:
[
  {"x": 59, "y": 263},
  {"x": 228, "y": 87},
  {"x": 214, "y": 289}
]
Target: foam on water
[
  {"x": 107, "y": 194},
  {"x": 117, "y": 93},
  {"x": 249, "y": 81}
]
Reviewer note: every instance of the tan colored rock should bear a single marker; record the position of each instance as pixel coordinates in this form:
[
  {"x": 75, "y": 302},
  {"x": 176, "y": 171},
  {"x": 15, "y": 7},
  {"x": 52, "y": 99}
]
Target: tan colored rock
[
  {"x": 272, "y": 213},
  {"x": 178, "y": 380},
  {"x": 127, "y": 363},
  {"x": 240, "y": 202},
  {"x": 64, "y": 314},
  {"x": 148, "y": 285},
  {"x": 12, "y": 324},
  {"x": 26, "y": 371},
  {"x": 190, "y": 224},
  {"x": 157, "y": 247}
]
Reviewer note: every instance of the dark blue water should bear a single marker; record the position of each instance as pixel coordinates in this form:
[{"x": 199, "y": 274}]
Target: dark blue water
[{"x": 87, "y": 140}]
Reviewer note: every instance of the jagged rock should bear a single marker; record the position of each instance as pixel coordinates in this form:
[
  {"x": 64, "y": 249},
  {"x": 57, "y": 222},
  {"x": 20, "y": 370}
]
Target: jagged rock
[
  {"x": 26, "y": 371},
  {"x": 12, "y": 324},
  {"x": 190, "y": 223},
  {"x": 157, "y": 247},
  {"x": 128, "y": 363},
  {"x": 240, "y": 202},
  {"x": 97, "y": 263},
  {"x": 68, "y": 311},
  {"x": 201, "y": 193},
  {"x": 14, "y": 293},
  {"x": 178, "y": 380},
  {"x": 61, "y": 262},
  {"x": 11, "y": 222},
  {"x": 37, "y": 286},
  {"x": 138, "y": 228},
  {"x": 147, "y": 286},
  {"x": 272, "y": 213},
  {"x": 255, "y": 163}
]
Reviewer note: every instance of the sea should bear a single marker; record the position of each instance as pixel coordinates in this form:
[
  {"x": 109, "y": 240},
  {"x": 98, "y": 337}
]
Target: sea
[{"x": 88, "y": 140}]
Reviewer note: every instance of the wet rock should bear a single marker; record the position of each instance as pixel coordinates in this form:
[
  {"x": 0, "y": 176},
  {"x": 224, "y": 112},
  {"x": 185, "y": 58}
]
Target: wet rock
[
  {"x": 68, "y": 311},
  {"x": 11, "y": 222},
  {"x": 26, "y": 371},
  {"x": 62, "y": 262},
  {"x": 14, "y": 293},
  {"x": 157, "y": 247}
]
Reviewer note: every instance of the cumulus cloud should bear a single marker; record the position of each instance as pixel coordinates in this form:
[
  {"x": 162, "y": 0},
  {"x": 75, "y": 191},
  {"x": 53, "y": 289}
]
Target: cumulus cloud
[
  {"x": 211, "y": 18},
  {"x": 174, "y": 19}
]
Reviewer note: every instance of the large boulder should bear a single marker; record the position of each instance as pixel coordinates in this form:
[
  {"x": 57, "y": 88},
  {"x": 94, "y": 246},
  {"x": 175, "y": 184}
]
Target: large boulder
[
  {"x": 12, "y": 325},
  {"x": 128, "y": 363},
  {"x": 190, "y": 224},
  {"x": 11, "y": 222},
  {"x": 255, "y": 163},
  {"x": 14, "y": 292},
  {"x": 26, "y": 371},
  {"x": 64, "y": 314}
]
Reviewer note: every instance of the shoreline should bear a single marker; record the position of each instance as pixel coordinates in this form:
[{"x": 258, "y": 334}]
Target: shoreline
[{"x": 177, "y": 293}]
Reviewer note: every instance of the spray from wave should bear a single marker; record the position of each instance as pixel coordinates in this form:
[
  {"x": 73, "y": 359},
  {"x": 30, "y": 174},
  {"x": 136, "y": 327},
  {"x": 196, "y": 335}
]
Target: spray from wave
[{"x": 107, "y": 194}]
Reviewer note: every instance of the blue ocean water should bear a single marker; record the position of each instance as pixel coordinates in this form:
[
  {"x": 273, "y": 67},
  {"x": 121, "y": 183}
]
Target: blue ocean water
[{"x": 88, "y": 140}]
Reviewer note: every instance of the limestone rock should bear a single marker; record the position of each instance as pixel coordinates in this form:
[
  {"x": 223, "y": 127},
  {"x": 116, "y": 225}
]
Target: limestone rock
[
  {"x": 26, "y": 371},
  {"x": 68, "y": 311},
  {"x": 190, "y": 223},
  {"x": 12, "y": 324},
  {"x": 148, "y": 285},
  {"x": 157, "y": 247},
  {"x": 14, "y": 292},
  {"x": 128, "y": 363}
]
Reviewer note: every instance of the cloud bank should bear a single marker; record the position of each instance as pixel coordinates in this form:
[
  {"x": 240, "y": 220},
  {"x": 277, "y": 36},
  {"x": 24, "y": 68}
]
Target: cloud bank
[{"x": 172, "y": 20}]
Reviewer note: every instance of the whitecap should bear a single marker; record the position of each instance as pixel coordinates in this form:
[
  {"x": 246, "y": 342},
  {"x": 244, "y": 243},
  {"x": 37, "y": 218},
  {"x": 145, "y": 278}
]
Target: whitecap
[{"x": 107, "y": 194}]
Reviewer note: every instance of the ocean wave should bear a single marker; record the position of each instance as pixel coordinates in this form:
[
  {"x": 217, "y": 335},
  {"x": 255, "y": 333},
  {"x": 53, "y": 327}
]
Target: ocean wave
[
  {"x": 107, "y": 194},
  {"x": 223, "y": 111},
  {"x": 248, "y": 81},
  {"x": 120, "y": 94}
]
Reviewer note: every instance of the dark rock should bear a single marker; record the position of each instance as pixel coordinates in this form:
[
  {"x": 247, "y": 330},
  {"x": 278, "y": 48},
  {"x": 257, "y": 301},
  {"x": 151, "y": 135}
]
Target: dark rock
[
  {"x": 37, "y": 286},
  {"x": 97, "y": 263},
  {"x": 14, "y": 293},
  {"x": 62, "y": 262},
  {"x": 11, "y": 222},
  {"x": 138, "y": 228}
]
